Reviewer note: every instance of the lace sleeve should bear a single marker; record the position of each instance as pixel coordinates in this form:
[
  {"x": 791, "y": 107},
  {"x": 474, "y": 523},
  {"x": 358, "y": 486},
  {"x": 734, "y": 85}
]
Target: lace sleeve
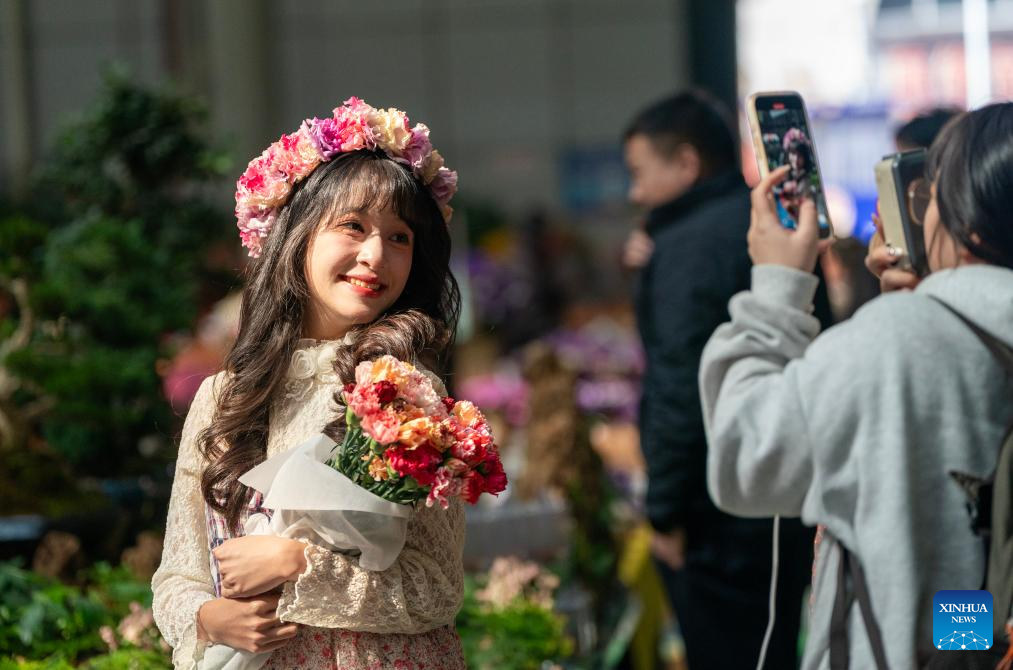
[
  {"x": 183, "y": 582},
  {"x": 422, "y": 591}
]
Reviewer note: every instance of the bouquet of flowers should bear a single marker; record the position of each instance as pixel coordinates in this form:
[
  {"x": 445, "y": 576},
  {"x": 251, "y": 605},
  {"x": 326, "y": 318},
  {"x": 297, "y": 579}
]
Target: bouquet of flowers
[{"x": 403, "y": 444}]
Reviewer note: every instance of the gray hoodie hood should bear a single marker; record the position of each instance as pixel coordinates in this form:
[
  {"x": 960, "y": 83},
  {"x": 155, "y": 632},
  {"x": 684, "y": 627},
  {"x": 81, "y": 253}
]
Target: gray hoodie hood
[{"x": 982, "y": 293}]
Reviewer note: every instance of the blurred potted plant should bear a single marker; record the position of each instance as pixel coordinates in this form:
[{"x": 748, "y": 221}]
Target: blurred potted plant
[
  {"x": 507, "y": 621},
  {"x": 107, "y": 264},
  {"x": 103, "y": 624}
]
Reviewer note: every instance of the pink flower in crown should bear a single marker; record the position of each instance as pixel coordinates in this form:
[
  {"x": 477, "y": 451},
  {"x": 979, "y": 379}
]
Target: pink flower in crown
[
  {"x": 444, "y": 185},
  {"x": 418, "y": 148},
  {"x": 298, "y": 156},
  {"x": 382, "y": 426},
  {"x": 252, "y": 180},
  {"x": 353, "y": 130},
  {"x": 339, "y": 135},
  {"x": 325, "y": 133},
  {"x": 254, "y": 225},
  {"x": 356, "y": 105},
  {"x": 262, "y": 185}
]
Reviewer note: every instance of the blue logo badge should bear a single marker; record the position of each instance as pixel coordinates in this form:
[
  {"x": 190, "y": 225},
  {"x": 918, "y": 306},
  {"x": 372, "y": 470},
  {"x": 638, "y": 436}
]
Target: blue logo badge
[{"x": 962, "y": 620}]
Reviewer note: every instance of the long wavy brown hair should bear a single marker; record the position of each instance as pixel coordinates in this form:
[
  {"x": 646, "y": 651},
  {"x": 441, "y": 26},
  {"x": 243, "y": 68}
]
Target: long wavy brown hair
[{"x": 418, "y": 326}]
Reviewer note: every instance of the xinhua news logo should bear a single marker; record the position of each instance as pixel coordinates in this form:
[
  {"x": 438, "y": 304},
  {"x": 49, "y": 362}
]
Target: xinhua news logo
[{"x": 962, "y": 620}]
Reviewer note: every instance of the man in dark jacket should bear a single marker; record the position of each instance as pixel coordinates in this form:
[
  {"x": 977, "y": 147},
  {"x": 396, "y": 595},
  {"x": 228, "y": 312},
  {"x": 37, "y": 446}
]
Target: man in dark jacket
[{"x": 683, "y": 157}]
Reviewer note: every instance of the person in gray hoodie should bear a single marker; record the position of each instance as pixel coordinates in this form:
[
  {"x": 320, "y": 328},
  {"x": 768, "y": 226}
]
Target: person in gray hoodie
[{"x": 858, "y": 428}]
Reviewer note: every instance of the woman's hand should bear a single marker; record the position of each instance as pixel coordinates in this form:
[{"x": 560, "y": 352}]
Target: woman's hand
[
  {"x": 250, "y": 624},
  {"x": 881, "y": 260},
  {"x": 255, "y": 564},
  {"x": 770, "y": 243}
]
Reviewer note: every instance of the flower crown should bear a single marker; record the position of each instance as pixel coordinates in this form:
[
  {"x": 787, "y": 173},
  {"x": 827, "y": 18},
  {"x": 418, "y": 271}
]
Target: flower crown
[{"x": 269, "y": 179}]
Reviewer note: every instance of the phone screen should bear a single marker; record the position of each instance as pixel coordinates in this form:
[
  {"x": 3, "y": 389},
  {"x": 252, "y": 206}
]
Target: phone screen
[{"x": 787, "y": 140}]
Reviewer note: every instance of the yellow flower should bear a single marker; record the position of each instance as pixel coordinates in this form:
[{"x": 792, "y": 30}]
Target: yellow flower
[
  {"x": 467, "y": 413},
  {"x": 307, "y": 151},
  {"x": 388, "y": 368},
  {"x": 417, "y": 432},
  {"x": 432, "y": 165},
  {"x": 378, "y": 469},
  {"x": 410, "y": 413},
  {"x": 390, "y": 128}
]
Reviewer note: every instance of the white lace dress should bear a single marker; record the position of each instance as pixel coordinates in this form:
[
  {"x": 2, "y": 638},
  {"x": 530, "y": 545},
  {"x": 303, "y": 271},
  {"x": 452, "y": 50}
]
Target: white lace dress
[{"x": 353, "y": 618}]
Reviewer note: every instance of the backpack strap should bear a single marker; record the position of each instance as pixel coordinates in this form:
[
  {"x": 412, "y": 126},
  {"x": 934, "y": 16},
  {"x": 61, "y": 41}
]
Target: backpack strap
[
  {"x": 840, "y": 652},
  {"x": 998, "y": 553},
  {"x": 1002, "y": 351},
  {"x": 1000, "y": 550}
]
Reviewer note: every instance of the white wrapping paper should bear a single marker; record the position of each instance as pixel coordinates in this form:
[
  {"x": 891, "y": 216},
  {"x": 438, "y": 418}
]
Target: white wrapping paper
[{"x": 314, "y": 502}]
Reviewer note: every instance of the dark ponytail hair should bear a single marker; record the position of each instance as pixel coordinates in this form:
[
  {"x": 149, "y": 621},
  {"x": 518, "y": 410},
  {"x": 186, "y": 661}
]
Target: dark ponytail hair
[
  {"x": 420, "y": 323},
  {"x": 972, "y": 164}
]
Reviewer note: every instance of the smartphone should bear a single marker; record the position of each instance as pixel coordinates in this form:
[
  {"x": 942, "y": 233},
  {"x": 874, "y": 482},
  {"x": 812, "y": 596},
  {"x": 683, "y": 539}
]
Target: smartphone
[
  {"x": 782, "y": 135},
  {"x": 900, "y": 181}
]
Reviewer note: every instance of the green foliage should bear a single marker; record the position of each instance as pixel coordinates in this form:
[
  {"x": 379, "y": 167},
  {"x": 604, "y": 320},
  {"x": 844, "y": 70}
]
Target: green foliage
[
  {"x": 22, "y": 240},
  {"x": 518, "y": 636},
  {"x": 133, "y": 151},
  {"x": 115, "y": 281},
  {"x": 41, "y": 617},
  {"x": 121, "y": 659},
  {"x": 129, "y": 659},
  {"x": 47, "y": 625},
  {"x": 117, "y": 587},
  {"x": 54, "y": 663},
  {"x": 114, "y": 261}
]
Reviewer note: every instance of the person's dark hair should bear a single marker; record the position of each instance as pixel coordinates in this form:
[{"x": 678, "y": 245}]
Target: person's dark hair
[
  {"x": 274, "y": 300},
  {"x": 972, "y": 164},
  {"x": 803, "y": 149},
  {"x": 922, "y": 130},
  {"x": 695, "y": 118}
]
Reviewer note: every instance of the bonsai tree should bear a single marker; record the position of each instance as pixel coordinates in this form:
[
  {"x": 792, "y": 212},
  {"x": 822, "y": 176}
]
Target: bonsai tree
[{"x": 107, "y": 266}]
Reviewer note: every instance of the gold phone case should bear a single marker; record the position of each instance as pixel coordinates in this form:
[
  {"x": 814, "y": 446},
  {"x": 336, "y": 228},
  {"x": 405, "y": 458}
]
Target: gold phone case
[
  {"x": 890, "y": 210},
  {"x": 760, "y": 151}
]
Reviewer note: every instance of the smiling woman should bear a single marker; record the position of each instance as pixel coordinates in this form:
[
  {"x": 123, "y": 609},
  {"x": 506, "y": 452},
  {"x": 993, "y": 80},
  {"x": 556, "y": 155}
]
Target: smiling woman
[
  {"x": 356, "y": 267},
  {"x": 347, "y": 222}
]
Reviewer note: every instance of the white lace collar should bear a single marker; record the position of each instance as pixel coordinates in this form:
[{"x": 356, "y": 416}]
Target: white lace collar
[{"x": 315, "y": 358}]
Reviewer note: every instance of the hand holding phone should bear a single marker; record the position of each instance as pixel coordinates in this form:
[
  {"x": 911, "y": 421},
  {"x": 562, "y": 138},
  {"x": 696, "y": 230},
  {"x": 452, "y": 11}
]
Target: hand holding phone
[
  {"x": 770, "y": 243},
  {"x": 904, "y": 196},
  {"x": 884, "y": 261},
  {"x": 782, "y": 137}
]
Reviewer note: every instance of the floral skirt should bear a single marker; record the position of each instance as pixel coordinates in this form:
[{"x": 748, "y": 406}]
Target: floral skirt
[{"x": 332, "y": 649}]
